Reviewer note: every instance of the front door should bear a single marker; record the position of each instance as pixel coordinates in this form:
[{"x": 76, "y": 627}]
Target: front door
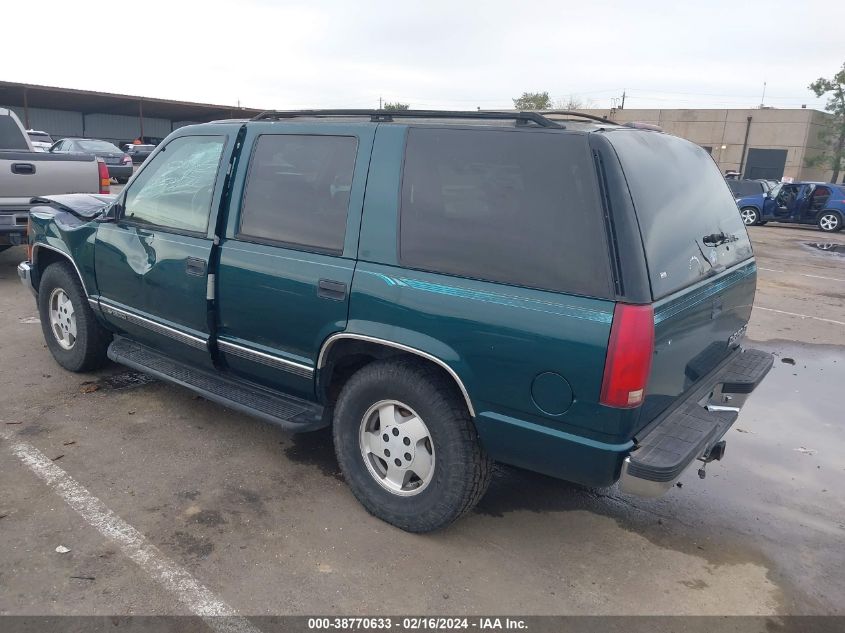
[
  {"x": 786, "y": 201},
  {"x": 152, "y": 262},
  {"x": 288, "y": 256}
]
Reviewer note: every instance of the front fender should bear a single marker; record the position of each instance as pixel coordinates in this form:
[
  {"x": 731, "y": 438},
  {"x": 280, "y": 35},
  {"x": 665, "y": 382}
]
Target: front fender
[{"x": 69, "y": 237}]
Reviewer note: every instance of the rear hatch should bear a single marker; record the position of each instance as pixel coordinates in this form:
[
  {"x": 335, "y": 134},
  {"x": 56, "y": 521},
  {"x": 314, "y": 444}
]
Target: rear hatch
[{"x": 699, "y": 258}]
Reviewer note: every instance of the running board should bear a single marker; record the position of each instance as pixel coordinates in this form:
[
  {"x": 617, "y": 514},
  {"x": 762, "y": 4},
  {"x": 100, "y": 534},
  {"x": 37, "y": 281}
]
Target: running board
[{"x": 292, "y": 414}]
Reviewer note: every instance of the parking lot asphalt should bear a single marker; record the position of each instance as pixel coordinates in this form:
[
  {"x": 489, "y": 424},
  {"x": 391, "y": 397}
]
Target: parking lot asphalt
[{"x": 262, "y": 521}]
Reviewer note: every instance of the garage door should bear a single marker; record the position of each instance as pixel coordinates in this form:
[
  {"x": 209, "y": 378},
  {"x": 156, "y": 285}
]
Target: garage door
[{"x": 765, "y": 163}]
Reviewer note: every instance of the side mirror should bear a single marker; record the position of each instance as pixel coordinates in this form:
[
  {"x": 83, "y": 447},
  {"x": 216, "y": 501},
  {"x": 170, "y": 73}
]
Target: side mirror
[{"x": 111, "y": 213}]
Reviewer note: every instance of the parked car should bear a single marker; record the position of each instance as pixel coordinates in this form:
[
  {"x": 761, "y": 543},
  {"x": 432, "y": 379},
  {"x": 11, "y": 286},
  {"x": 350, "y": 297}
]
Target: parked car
[
  {"x": 819, "y": 203},
  {"x": 41, "y": 141},
  {"x": 742, "y": 188},
  {"x": 139, "y": 153},
  {"x": 25, "y": 173},
  {"x": 119, "y": 163},
  {"x": 443, "y": 295}
]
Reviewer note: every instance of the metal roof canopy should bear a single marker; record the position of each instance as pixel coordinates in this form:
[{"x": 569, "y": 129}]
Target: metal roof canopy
[{"x": 90, "y": 102}]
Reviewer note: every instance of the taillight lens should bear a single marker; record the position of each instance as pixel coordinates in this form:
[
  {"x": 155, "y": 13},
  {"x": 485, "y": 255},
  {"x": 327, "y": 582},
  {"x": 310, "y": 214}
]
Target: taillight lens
[
  {"x": 105, "y": 179},
  {"x": 629, "y": 354},
  {"x": 127, "y": 159}
]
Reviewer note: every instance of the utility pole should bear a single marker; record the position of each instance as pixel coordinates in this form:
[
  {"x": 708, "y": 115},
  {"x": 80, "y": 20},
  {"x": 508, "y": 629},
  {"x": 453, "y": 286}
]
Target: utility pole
[
  {"x": 622, "y": 107},
  {"x": 379, "y": 103},
  {"x": 763, "y": 98}
]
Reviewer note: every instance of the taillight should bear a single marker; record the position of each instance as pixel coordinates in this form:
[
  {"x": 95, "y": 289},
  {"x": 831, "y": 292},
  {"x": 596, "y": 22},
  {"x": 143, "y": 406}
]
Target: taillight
[
  {"x": 105, "y": 179},
  {"x": 29, "y": 239},
  {"x": 127, "y": 159},
  {"x": 629, "y": 353}
]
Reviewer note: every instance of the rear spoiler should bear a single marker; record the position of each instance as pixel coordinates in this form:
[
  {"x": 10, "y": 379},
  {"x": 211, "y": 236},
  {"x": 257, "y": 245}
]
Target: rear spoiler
[{"x": 83, "y": 205}]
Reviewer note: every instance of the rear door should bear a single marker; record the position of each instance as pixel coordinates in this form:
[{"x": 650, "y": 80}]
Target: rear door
[
  {"x": 699, "y": 258},
  {"x": 288, "y": 256}
]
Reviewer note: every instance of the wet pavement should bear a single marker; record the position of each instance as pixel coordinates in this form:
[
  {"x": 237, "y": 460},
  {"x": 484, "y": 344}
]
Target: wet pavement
[{"x": 265, "y": 521}]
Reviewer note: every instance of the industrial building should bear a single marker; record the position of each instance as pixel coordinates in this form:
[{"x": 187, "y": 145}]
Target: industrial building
[
  {"x": 758, "y": 143},
  {"x": 117, "y": 118}
]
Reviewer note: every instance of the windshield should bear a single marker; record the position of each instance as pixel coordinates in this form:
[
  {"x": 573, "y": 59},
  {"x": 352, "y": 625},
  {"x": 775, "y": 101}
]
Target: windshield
[
  {"x": 98, "y": 146},
  {"x": 689, "y": 221}
]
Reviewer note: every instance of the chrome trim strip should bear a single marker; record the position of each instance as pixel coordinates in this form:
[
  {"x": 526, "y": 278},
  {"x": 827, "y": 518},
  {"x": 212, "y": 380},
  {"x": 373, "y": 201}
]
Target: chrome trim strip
[
  {"x": 321, "y": 359},
  {"x": 158, "y": 328},
  {"x": 65, "y": 255},
  {"x": 266, "y": 359}
]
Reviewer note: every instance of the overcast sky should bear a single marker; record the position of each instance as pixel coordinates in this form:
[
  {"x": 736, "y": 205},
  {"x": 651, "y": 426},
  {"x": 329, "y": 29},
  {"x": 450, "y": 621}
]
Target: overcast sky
[{"x": 459, "y": 55}]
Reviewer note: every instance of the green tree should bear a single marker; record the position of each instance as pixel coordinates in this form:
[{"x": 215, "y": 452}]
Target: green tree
[
  {"x": 533, "y": 101},
  {"x": 833, "y": 135},
  {"x": 396, "y": 107}
]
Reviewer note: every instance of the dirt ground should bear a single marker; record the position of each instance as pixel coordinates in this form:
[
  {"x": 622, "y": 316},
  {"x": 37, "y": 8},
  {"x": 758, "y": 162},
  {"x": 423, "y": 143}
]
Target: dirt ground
[{"x": 264, "y": 523}]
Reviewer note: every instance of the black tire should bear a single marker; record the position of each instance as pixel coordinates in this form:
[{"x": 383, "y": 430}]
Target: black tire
[
  {"x": 461, "y": 471},
  {"x": 122, "y": 181},
  {"x": 830, "y": 221},
  {"x": 746, "y": 214},
  {"x": 88, "y": 351}
]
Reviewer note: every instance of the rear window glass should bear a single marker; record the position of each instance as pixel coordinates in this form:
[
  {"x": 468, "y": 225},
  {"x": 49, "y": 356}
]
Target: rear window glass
[
  {"x": 41, "y": 138},
  {"x": 297, "y": 190},
  {"x": 97, "y": 146},
  {"x": 689, "y": 220},
  {"x": 11, "y": 136},
  {"x": 513, "y": 207},
  {"x": 742, "y": 188}
]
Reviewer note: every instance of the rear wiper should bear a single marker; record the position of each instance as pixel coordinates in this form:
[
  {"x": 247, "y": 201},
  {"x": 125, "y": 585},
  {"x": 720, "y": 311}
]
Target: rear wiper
[{"x": 717, "y": 239}]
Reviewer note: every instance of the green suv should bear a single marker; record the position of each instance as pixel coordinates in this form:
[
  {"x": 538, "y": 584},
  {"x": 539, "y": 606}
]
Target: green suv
[{"x": 444, "y": 289}]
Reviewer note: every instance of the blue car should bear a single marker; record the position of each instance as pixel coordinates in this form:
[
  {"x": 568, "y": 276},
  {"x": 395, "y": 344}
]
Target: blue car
[{"x": 819, "y": 203}]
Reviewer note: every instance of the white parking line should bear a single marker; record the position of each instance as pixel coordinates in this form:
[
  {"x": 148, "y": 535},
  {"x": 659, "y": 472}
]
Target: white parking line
[
  {"x": 176, "y": 580},
  {"x": 803, "y": 316},
  {"x": 772, "y": 270}
]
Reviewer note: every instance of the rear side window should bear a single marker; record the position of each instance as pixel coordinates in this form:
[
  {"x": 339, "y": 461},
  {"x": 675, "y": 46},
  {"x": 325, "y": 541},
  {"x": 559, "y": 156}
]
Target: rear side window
[
  {"x": 513, "y": 207},
  {"x": 297, "y": 191},
  {"x": 688, "y": 218}
]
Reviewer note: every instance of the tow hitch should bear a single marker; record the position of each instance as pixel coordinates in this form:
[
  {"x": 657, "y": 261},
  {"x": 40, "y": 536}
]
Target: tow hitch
[{"x": 716, "y": 452}]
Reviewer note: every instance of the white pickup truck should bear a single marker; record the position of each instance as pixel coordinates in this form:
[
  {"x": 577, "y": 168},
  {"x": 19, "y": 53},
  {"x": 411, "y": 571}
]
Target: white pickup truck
[{"x": 25, "y": 174}]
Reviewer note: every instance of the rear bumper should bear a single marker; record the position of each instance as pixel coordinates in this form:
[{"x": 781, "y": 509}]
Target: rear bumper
[
  {"x": 25, "y": 275},
  {"x": 693, "y": 427}
]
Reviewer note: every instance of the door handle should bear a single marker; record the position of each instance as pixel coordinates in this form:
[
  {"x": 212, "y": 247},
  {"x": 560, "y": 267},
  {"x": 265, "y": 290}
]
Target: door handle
[
  {"x": 195, "y": 266},
  {"x": 331, "y": 289},
  {"x": 23, "y": 168}
]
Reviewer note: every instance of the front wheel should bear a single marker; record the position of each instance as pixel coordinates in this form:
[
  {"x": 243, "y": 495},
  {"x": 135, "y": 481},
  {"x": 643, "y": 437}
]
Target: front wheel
[
  {"x": 749, "y": 215},
  {"x": 830, "y": 221},
  {"x": 407, "y": 446},
  {"x": 73, "y": 335}
]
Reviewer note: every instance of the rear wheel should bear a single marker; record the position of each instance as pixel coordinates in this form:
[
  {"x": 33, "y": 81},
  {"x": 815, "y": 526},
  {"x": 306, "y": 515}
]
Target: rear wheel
[
  {"x": 749, "y": 215},
  {"x": 73, "y": 335},
  {"x": 122, "y": 181},
  {"x": 407, "y": 446},
  {"x": 830, "y": 221}
]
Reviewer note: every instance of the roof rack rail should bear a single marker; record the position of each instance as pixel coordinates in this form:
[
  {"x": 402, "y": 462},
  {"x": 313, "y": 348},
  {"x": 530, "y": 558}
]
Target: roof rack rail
[
  {"x": 592, "y": 117},
  {"x": 521, "y": 118}
]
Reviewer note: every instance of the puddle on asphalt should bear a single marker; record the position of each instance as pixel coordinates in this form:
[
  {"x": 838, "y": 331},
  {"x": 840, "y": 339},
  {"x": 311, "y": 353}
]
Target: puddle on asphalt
[
  {"x": 827, "y": 247},
  {"x": 125, "y": 380}
]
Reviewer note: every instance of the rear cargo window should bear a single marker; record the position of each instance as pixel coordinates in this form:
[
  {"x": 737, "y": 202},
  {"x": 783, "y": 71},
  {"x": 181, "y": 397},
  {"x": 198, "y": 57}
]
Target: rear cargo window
[
  {"x": 11, "y": 136},
  {"x": 689, "y": 220},
  {"x": 512, "y": 207}
]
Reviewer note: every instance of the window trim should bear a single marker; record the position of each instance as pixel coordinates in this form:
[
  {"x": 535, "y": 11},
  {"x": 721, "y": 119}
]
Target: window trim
[
  {"x": 294, "y": 246},
  {"x": 124, "y": 221},
  {"x": 403, "y": 263}
]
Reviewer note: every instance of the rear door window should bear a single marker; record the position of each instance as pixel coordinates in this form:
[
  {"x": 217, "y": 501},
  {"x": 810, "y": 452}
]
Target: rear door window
[
  {"x": 297, "y": 191},
  {"x": 688, "y": 217},
  {"x": 11, "y": 136},
  {"x": 515, "y": 207}
]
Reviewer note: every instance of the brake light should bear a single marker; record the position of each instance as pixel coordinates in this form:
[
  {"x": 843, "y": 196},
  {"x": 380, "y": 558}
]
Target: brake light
[
  {"x": 126, "y": 159},
  {"x": 629, "y": 354},
  {"x": 29, "y": 239},
  {"x": 105, "y": 179}
]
